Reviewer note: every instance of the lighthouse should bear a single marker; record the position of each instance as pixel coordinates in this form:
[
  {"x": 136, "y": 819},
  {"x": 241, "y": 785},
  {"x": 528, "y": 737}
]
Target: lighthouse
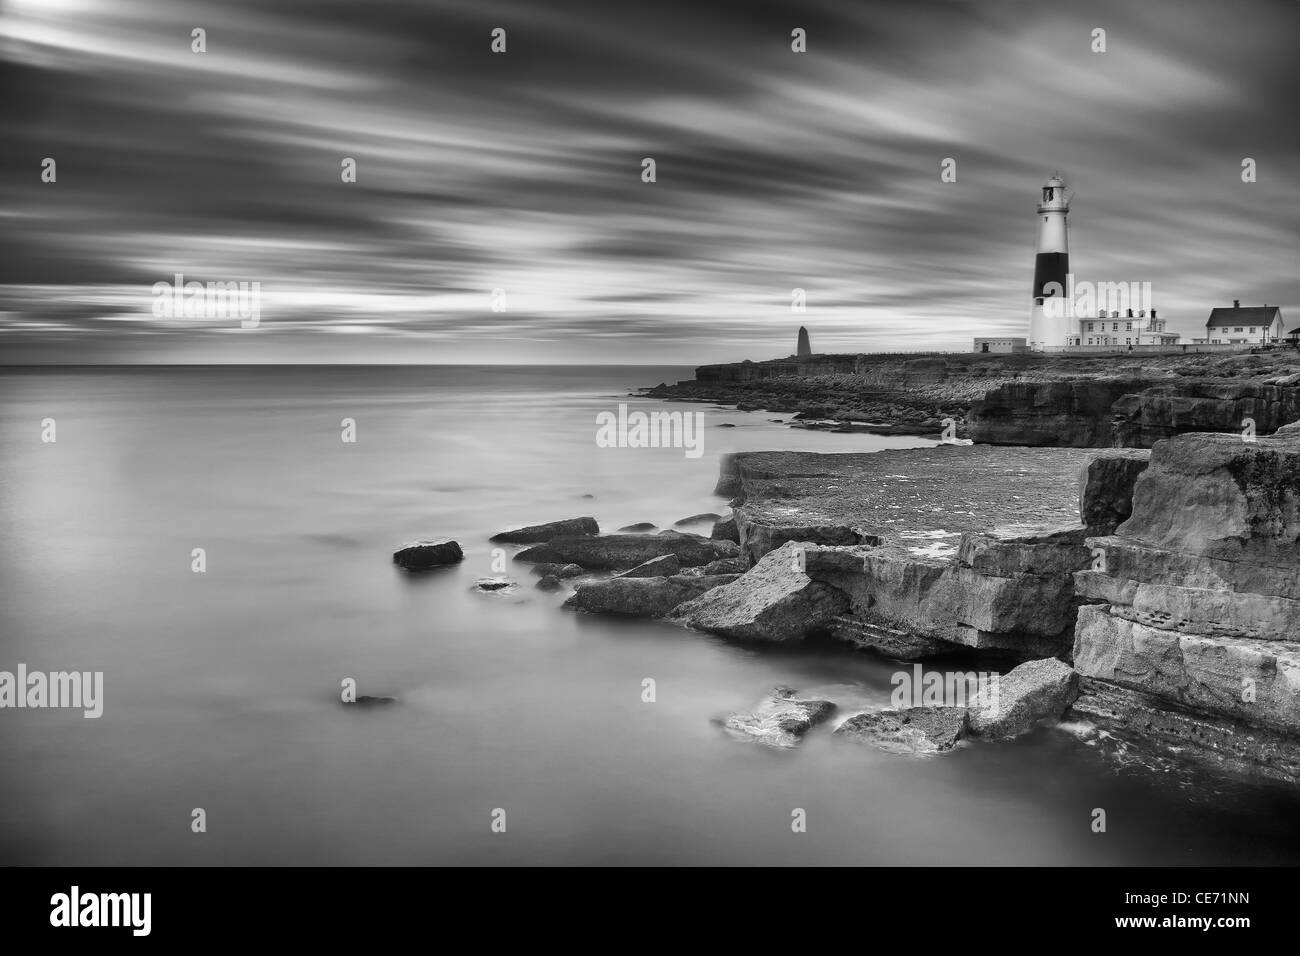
[{"x": 1052, "y": 264}]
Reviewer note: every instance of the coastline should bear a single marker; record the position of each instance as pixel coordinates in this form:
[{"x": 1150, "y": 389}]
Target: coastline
[{"x": 1179, "y": 643}]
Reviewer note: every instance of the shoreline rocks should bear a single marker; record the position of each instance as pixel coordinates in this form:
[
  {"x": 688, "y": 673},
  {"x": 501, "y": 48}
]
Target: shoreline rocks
[
  {"x": 558, "y": 570},
  {"x": 655, "y": 597},
  {"x": 661, "y": 567},
  {"x": 545, "y": 532},
  {"x": 779, "y": 720},
  {"x": 1019, "y": 699},
  {"x": 913, "y": 730},
  {"x": 705, "y": 517},
  {"x": 422, "y": 555},
  {"x": 772, "y": 601},
  {"x": 1193, "y": 618},
  {"x": 620, "y": 552}
]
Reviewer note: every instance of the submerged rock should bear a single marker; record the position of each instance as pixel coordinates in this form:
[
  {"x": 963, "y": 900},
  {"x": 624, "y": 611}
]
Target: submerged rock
[
  {"x": 1017, "y": 700},
  {"x": 428, "y": 554},
  {"x": 642, "y": 597},
  {"x": 913, "y": 730},
  {"x": 618, "y": 552},
  {"x": 773, "y": 601},
  {"x": 545, "y": 532},
  {"x": 638, "y": 528},
  {"x": 779, "y": 720},
  {"x": 549, "y": 582},
  {"x": 491, "y": 585},
  {"x": 697, "y": 519},
  {"x": 660, "y": 567}
]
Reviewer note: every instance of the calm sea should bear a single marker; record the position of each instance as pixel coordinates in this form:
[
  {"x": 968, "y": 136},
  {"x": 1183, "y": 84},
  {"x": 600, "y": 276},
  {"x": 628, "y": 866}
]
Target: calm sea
[{"x": 222, "y": 688}]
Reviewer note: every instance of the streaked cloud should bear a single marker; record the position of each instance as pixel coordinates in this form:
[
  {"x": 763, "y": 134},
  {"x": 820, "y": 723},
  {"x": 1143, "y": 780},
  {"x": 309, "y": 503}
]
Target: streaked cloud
[{"x": 522, "y": 172}]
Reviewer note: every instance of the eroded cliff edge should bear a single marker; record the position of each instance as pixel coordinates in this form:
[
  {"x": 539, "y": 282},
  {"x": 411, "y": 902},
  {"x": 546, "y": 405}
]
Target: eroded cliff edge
[
  {"x": 1059, "y": 400},
  {"x": 1169, "y": 580}
]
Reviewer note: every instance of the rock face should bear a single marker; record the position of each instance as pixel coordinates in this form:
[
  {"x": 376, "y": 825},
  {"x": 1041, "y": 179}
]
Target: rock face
[
  {"x": 1070, "y": 414},
  {"x": 737, "y": 565},
  {"x": 1018, "y": 700},
  {"x": 725, "y": 530},
  {"x": 420, "y": 555},
  {"x": 1010, "y": 589},
  {"x": 923, "y": 579},
  {"x": 779, "y": 720},
  {"x": 661, "y": 567},
  {"x": 619, "y": 552},
  {"x": 642, "y": 597},
  {"x": 545, "y": 532},
  {"x": 1168, "y": 410},
  {"x": 1127, "y": 412},
  {"x": 1106, "y": 488},
  {"x": 759, "y": 538},
  {"x": 773, "y": 601},
  {"x": 914, "y": 730},
  {"x": 1196, "y": 626}
]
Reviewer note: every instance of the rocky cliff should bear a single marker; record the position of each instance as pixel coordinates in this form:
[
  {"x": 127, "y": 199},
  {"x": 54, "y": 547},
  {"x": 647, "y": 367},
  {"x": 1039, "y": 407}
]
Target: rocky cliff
[
  {"x": 1042, "y": 400},
  {"x": 1194, "y": 633},
  {"x": 1164, "y": 411},
  {"x": 1128, "y": 412},
  {"x": 1076, "y": 414},
  {"x": 940, "y": 548}
]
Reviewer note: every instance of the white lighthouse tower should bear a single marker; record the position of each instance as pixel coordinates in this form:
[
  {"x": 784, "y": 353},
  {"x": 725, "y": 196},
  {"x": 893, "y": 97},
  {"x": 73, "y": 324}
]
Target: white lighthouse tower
[{"x": 1048, "y": 332}]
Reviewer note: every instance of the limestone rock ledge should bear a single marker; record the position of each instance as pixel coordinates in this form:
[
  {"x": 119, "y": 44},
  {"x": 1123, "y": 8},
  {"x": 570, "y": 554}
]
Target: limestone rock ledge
[
  {"x": 1193, "y": 630},
  {"x": 1009, "y": 590}
]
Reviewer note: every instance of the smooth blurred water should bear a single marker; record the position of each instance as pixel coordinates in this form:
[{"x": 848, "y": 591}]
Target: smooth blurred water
[{"x": 222, "y": 688}]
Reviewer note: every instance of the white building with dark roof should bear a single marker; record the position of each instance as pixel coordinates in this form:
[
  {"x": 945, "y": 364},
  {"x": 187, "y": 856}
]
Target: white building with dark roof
[{"x": 1248, "y": 325}]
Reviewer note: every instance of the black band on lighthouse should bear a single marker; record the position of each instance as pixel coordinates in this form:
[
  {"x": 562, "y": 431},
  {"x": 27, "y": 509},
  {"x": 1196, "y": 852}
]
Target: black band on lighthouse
[{"x": 1050, "y": 267}]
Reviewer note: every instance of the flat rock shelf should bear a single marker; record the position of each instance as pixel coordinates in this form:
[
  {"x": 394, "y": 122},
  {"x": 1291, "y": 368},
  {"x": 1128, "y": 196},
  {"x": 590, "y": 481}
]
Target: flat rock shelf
[{"x": 898, "y": 494}]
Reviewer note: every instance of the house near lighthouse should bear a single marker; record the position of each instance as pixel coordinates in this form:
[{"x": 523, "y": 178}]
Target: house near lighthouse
[{"x": 1244, "y": 325}]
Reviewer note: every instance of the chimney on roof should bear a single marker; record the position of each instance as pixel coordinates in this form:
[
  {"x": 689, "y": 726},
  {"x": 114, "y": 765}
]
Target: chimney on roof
[
  {"x": 1236, "y": 303},
  {"x": 1130, "y": 314},
  {"x": 1153, "y": 313}
]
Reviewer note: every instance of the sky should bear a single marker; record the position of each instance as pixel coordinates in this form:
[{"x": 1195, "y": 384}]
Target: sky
[{"x": 522, "y": 171}]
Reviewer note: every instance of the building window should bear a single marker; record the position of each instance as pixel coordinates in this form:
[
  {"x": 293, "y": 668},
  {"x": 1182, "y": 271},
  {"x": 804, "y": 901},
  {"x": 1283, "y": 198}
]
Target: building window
[
  {"x": 1252, "y": 330},
  {"x": 1114, "y": 326},
  {"x": 1090, "y": 327},
  {"x": 1238, "y": 329},
  {"x": 1128, "y": 326}
]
